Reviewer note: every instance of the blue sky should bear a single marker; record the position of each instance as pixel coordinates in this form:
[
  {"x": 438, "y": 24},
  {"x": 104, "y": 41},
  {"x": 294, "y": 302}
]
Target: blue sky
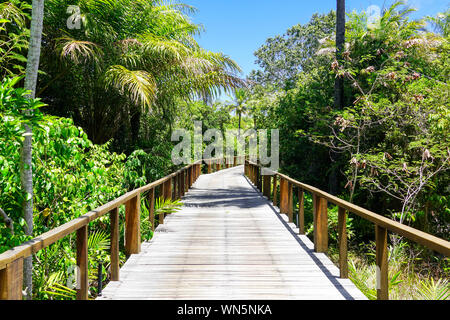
[{"x": 239, "y": 27}]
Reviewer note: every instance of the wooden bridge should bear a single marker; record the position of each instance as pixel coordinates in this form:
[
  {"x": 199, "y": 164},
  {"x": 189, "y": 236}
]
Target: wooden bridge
[{"x": 229, "y": 241}]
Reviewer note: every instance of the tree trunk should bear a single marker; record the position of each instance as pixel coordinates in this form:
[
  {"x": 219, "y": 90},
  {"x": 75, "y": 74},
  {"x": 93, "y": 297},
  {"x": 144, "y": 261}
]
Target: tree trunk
[
  {"x": 340, "y": 42},
  {"x": 239, "y": 132},
  {"x": 34, "y": 50}
]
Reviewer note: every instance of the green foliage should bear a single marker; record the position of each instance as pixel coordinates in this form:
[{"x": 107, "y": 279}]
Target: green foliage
[
  {"x": 283, "y": 57},
  {"x": 14, "y": 34},
  {"x": 127, "y": 61},
  {"x": 387, "y": 149},
  {"x": 141, "y": 168},
  {"x": 431, "y": 290}
]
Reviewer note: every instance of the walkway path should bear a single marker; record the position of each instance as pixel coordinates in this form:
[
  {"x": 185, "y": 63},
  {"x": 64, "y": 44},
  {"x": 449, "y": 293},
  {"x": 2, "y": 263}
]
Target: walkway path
[{"x": 228, "y": 242}]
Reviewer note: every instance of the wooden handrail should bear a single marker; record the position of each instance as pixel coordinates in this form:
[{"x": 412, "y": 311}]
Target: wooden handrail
[
  {"x": 320, "y": 199},
  {"x": 11, "y": 261}
]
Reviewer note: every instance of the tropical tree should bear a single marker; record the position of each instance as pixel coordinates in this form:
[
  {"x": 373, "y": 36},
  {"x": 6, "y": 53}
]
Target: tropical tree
[
  {"x": 240, "y": 104},
  {"x": 34, "y": 52},
  {"x": 282, "y": 58},
  {"x": 128, "y": 58},
  {"x": 13, "y": 37}
]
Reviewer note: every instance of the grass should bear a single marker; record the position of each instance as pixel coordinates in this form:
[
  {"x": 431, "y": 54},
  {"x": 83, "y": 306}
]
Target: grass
[{"x": 411, "y": 275}]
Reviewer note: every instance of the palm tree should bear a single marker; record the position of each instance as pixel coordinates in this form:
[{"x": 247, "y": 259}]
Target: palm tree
[
  {"x": 240, "y": 106},
  {"x": 129, "y": 58},
  {"x": 34, "y": 51}
]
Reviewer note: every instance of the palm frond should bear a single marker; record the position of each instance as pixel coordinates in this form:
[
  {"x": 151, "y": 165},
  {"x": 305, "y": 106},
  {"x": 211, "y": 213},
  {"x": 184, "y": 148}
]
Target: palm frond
[
  {"x": 139, "y": 85},
  {"x": 98, "y": 241},
  {"x": 431, "y": 290},
  {"x": 78, "y": 51},
  {"x": 167, "y": 206}
]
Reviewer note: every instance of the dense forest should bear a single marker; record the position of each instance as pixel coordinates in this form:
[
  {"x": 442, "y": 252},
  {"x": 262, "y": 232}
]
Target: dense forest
[{"x": 113, "y": 86}]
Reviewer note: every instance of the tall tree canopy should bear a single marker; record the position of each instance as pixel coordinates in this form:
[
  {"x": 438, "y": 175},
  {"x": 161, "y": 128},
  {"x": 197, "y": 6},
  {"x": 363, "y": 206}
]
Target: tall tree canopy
[
  {"x": 128, "y": 57},
  {"x": 282, "y": 58}
]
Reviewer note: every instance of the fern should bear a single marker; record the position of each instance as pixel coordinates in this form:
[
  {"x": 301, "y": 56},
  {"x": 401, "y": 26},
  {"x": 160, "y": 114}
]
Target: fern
[{"x": 431, "y": 290}]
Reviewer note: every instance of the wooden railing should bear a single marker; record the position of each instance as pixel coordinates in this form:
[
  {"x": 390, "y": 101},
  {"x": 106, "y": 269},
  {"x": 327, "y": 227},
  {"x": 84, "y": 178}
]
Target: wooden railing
[
  {"x": 173, "y": 186},
  {"x": 269, "y": 181}
]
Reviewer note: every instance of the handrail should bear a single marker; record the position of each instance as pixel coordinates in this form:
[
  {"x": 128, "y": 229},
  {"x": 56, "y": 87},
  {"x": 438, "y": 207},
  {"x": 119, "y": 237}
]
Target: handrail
[
  {"x": 172, "y": 186},
  {"x": 320, "y": 200}
]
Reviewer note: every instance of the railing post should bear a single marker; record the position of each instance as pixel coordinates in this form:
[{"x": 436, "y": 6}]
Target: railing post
[
  {"x": 275, "y": 181},
  {"x": 82, "y": 263},
  {"x": 382, "y": 263},
  {"x": 114, "y": 217},
  {"x": 266, "y": 186},
  {"x": 178, "y": 177},
  {"x": 234, "y": 161},
  {"x": 133, "y": 225},
  {"x": 11, "y": 281},
  {"x": 301, "y": 211},
  {"x": 342, "y": 242},
  {"x": 290, "y": 208},
  {"x": 217, "y": 165},
  {"x": 174, "y": 191},
  {"x": 320, "y": 224},
  {"x": 183, "y": 183},
  {"x": 151, "y": 208},
  {"x": 283, "y": 195},
  {"x": 209, "y": 166},
  {"x": 259, "y": 178}
]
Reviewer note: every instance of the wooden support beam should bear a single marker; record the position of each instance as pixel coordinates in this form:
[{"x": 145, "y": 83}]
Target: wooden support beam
[
  {"x": 11, "y": 281},
  {"x": 301, "y": 211},
  {"x": 289, "y": 207},
  {"x": 174, "y": 191},
  {"x": 342, "y": 242},
  {"x": 183, "y": 183},
  {"x": 382, "y": 263},
  {"x": 151, "y": 208},
  {"x": 133, "y": 225},
  {"x": 266, "y": 186},
  {"x": 161, "y": 193},
  {"x": 283, "y": 196},
  {"x": 114, "y": 247},
  {"x": 82, "y": 263},
  {"x": 259, "y": 178},
  {"x": 275, "y": 190},
  {"x": 320, "y": 224}
]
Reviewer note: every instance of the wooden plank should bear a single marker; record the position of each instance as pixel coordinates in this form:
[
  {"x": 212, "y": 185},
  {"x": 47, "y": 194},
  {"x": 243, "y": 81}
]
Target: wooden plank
[
  {"x": 320, "y": 224},
  {"x": 284, "y": 196},
  {"x": 133, "y": 225},
  {"x": 290, "y": 208},
  {"x": 82, "y": 263},
  {"x": 266, "y": 186},
  {"x": 226, "y": 243},
  {"x": 183, "y": 183},
  {"x": 11, "y": 281},
  {"x": 275, "y": 190},
  {"x": 151, "y": 206},
  {"x": 382, "y": 263},
  {"x": 342, "y": 242},
  {"x": 114, "y": 248},
  {"x": 301, "y": 211}
]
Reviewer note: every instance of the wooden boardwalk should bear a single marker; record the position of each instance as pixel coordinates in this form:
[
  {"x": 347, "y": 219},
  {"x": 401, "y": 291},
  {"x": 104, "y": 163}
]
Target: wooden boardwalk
[{"x": 228, "y": 242}]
